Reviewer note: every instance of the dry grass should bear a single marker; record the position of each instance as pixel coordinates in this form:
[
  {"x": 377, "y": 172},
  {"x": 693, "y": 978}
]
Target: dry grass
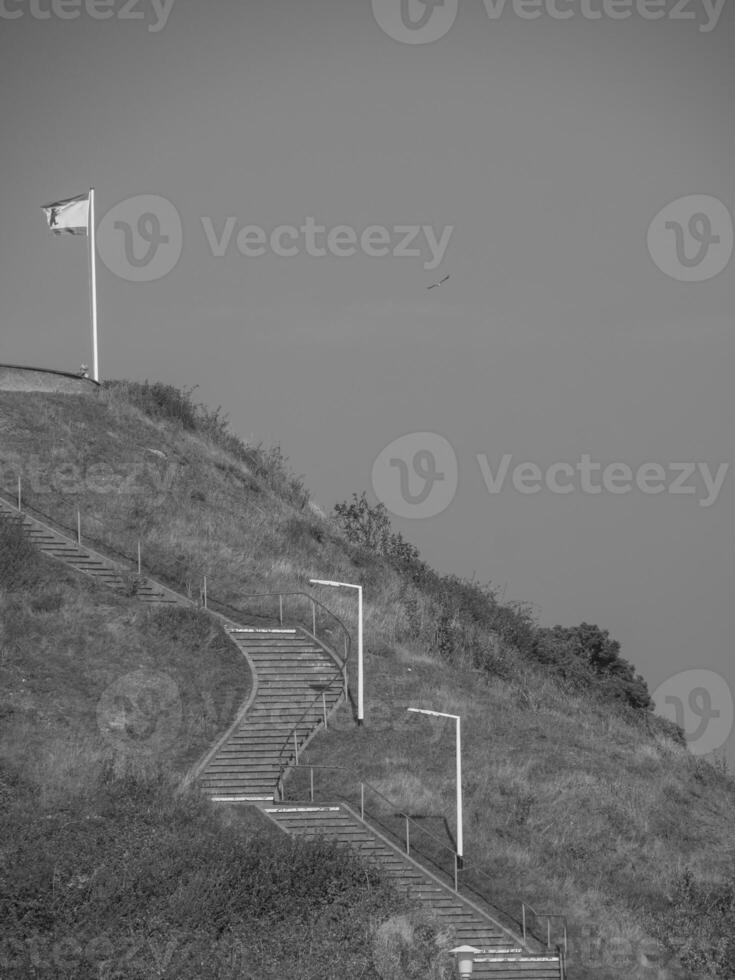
[{"x": 568, "y": 805}]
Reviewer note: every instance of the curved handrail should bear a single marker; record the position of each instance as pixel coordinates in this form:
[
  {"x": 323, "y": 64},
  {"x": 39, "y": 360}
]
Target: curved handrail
[
  {"x": 314, "y": 602},
  {"x": 411, "y": 822},
  {"x": 284, "y": 765}
]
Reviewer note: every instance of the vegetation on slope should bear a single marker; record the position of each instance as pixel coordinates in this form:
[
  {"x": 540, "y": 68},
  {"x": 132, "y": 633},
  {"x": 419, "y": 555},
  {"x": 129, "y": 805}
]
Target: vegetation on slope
[
  {"x": 578, "y": 799},
  {"x": 128, "y": 880},
  {"x": 105, "y": 870}
]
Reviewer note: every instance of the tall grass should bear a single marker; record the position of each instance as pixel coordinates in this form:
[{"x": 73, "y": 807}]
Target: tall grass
[{"x": 574, "y": 800}]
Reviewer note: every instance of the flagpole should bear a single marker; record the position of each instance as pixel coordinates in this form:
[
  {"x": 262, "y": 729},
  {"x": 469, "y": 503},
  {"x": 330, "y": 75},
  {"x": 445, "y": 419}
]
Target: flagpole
[{"x": 93, "y": 284}]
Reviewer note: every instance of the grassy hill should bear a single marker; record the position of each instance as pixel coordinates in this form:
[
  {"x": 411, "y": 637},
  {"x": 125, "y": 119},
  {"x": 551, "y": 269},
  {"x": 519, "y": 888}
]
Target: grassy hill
[{"x": 577, "y": 799}]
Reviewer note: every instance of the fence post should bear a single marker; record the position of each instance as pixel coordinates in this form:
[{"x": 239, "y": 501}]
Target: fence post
[
  {"x": 79, "y": 527},
  {"x": 523, "y": 916},
  {"x": 548, "y": 933},
  {"x": 296, "y": 746},
  {"x": 456, "y": 872}
]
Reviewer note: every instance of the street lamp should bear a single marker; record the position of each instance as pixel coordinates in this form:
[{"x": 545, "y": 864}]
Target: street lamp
[
  {"x": 348, "y": 585},
  {"x": 443, "y": 714},
  {"x": 465, "y": 960}
]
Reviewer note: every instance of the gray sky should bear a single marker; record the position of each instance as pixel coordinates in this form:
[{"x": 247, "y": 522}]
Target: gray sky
[{"x": 546, "y": 146}]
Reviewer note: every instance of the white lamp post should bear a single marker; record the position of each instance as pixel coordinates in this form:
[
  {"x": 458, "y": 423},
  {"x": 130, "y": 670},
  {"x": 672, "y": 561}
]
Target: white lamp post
[
  {"x": 443, "y": 714},
  {"x": 348, "y": 585},
  {"x": 465, "y": 960}
]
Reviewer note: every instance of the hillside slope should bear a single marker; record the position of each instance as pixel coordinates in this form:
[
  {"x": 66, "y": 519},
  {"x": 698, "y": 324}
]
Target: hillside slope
[{"x": 572, "y": 804}]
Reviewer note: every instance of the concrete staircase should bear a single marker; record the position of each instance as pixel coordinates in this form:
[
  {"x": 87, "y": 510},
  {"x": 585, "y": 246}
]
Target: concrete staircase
[
  {"x": 105, "y": 570},
  {"x": 297, "y": 683},
  {"x": 505, "y": 955}
]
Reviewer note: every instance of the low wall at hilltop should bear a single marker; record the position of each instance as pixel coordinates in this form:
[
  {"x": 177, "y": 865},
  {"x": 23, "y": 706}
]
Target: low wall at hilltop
[{"x": 14, "y": 377}]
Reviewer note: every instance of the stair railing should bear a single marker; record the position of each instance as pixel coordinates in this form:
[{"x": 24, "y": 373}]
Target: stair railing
[
  {"x": 282, "y": 596},
  {"x": 409, "y": 831},
  {"x": 108, "y": 551},
  {"x": 291, "y": 742},
  {"x": 548, "y": 916}
]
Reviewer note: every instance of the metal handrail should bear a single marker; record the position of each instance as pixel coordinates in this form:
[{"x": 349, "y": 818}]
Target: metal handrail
[
  {"x": 292, "y": 735},
  {"x": 409, "y": 822},
  {"x": 548, "y": 916},
  {"x": 314, "y": 602},
  {"x": 391, "y": 803},
  {"x": 107, "y": 550}
]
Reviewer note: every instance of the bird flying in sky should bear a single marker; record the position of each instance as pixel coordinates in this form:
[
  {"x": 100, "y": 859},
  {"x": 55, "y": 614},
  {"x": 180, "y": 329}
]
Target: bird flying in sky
[{"x": 438, "y": 283}]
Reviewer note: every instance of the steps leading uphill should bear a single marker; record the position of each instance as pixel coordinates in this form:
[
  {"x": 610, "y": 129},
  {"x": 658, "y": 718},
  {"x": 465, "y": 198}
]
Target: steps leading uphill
[
  {"x": 297, "y": 683},
  {"x": 105, "y": 570},
  {"x": 504, "y": 957}
]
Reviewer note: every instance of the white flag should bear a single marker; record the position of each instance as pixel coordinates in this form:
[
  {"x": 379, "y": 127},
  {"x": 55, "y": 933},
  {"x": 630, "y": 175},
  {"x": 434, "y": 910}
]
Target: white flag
[{"x": 71, "y": 215}]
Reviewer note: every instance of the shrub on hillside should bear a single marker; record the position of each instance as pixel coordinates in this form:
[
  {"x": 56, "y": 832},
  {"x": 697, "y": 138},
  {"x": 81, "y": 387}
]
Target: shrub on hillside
[
  {"x": 471, "y": 623},
  {"x": 463, "y": 611},
  {"x": 588, "y": 657},
  {"x": 699, "y": 926},
  {"x": 414, "y": 945},
  {"x": 368, "y": 526}
]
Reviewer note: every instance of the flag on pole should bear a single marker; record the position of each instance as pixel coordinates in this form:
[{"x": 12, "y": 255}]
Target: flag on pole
[
  {"x": 75, "y": 215},
  {"x": 71, "y": 215}
]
